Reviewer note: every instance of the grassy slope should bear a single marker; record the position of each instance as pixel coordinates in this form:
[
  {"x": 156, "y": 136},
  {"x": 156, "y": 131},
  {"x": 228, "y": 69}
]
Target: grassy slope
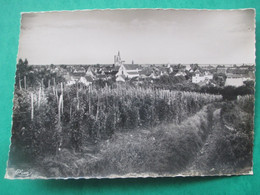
[{"x": 228, "y": 148}]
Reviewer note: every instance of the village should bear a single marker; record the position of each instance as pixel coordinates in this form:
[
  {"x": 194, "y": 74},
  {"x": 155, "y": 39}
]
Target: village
[
  {"x": 121, "y": 72},
  {"x": 133, "y": 93}
]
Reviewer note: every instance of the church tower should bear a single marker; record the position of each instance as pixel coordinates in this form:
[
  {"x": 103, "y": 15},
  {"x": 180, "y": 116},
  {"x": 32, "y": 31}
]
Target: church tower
[{"x": 117, "y": 59}]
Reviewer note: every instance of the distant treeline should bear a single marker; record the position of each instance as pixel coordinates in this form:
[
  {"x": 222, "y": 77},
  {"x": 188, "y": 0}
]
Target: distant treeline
[{"x": 28, "y": 77}]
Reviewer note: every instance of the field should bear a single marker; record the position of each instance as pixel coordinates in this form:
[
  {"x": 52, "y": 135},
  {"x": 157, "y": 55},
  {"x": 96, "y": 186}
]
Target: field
[
  {"x": 62, "y": 131},
  {"x": 126, "y": 130}
]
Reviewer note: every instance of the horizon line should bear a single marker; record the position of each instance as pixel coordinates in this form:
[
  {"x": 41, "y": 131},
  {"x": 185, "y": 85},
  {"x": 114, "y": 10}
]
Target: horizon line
[{"x": 144, "y": 64}]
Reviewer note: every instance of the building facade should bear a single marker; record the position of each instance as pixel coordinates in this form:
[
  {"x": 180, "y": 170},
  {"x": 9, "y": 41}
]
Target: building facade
[{"x": 128, "y": 70}]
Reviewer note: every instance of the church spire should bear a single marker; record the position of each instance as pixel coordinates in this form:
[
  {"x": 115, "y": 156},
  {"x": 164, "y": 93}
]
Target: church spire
[{"x": 117, "y": 59}]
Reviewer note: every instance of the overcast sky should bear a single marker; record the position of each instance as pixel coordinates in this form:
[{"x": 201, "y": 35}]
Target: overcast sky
[{"x": 145, "y": 36}]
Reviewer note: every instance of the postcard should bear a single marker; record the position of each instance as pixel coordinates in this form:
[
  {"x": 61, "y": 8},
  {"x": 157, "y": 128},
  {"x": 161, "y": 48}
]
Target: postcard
[{"x": 133, "y": 93}]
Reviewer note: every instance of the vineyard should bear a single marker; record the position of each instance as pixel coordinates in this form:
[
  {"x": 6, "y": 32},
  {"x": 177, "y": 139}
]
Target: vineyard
[
  {"x": 62, "y": 130},
  {"x": 58, "y": 117}
]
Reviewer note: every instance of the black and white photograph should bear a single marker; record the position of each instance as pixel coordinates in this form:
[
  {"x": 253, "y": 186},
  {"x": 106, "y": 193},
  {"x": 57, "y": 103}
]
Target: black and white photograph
[{"x": 133, "y": 93}]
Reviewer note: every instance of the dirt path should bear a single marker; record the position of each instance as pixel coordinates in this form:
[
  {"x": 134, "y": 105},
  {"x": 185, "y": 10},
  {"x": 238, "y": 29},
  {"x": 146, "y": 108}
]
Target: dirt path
[{"x": 201, "y": 160}]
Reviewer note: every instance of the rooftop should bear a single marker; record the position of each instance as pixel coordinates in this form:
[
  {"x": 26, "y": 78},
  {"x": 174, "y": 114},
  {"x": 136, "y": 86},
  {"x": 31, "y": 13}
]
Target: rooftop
[{"x": 131, "y": 66}]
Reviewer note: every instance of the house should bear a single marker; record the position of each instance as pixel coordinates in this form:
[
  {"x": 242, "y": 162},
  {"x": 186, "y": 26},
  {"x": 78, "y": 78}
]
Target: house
[
  {"x": 120, "y": 78},
  {"x": 201, "y": 77},
  {"x": 197, "y": 78},
  {"x": 129, "y": 70},
  {"x": 236, "y": 80},
  {"x": 71, "y": 82},
  {"x": 192, "y": 67},
  {"x": 110, "y": 71},
  {"x": 85, "y": 81},
  {"x": 90, "y": 73},
  {"x": 188, "y": 67},
  {"x": 145, "y": 73},
  {"x": 181, "y": 73},
  {"x": 155, "y": 75},
  {"x": 170, "y": 68},
  {"x": 163, "y": 71},
  {"x": 114, "y": 70},
  {"x": 203, "y": 83},
  {"x": 77, "y": 73},
  {"x": 79, "y": 70}
]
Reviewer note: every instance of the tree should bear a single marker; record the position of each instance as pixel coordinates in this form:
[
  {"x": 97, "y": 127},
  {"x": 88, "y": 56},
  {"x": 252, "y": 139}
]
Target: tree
[
  {"x": 219, "y": 79},
  {"x": 22, "y": 73},
  {"x": 195, "y": 67},
  {"x": 229, "y": 93},
  {"x": 250, "y": 84},
  {"x": 26, "y": 62}
]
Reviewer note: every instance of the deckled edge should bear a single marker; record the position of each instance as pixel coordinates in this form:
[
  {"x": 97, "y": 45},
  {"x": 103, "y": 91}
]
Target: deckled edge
[
  {"x": 130, "y": 9},
  {"x": 144, "y": 175},
  {"x": 135, "y": 175},
  {"x": 252, "y": 168},
  {"x": 10, "y": 139}
]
